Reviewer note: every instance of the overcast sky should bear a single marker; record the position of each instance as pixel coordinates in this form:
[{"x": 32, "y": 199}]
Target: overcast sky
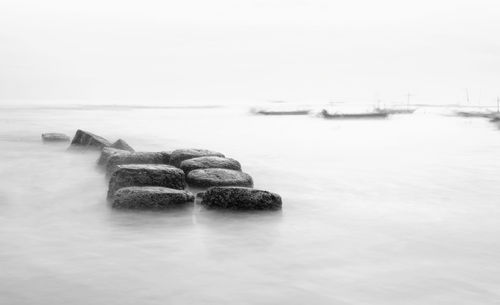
[{"x": 230, "y": 50}]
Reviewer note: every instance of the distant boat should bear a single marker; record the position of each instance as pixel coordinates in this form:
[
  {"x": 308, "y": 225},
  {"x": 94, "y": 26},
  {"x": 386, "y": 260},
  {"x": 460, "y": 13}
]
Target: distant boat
[
  {"x": 282, "y": 112},
  {"x": 475, "y": 114},
  {"x": 396, "y": 110},
  {"x": 495, "y": 118},
  {"x": 359, "y": 115}
]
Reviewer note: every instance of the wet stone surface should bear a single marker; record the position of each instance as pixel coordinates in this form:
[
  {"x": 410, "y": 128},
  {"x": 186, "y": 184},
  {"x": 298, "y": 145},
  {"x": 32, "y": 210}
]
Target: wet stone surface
[
  {"x": 146, "y": 175},
  {"x": 161, "y": 157},
  {"x": 209, "y": 162},
  {"x": 87, "y": 140},
  {"x": 150, "y": 197},
  {"x": 53, "y": 137},
  {"x": 218, "y": 177},
  {"x": 240, "y": 198},
  {"x": 180, "y": 155}
]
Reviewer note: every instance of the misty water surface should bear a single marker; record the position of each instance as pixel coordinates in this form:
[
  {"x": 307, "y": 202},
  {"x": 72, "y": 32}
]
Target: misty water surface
[{"x": 397, "y": 211}]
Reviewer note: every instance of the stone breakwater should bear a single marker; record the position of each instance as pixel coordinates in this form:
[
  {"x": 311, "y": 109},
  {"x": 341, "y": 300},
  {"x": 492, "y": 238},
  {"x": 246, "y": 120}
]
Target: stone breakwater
[{"x": 162, "y": 180}]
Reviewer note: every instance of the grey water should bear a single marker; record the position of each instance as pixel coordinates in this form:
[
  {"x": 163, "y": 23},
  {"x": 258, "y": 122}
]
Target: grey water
[{"x": 398, "y": 211}]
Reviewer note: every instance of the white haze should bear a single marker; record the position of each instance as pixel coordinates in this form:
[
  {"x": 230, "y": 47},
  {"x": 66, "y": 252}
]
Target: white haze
[{"x": 233, "y": 51}]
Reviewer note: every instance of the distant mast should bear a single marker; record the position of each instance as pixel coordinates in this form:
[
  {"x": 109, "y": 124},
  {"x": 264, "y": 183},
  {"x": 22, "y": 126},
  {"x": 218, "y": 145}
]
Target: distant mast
[{"x": 408, "y": 95}]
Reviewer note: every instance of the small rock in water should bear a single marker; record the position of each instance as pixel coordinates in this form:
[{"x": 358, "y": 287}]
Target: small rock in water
[
  {"x": 121, "y": 144},
  {"x": 180, "y": 155},
  {"x": 107, "y": 153},
  {"x": 87, "y": 140},
  {"x": 218, "y": 177},
  {"x": 55, "y": 137},
  {"x": 162, "y": 157},
  {"x": 209, "y": 162},
  {"x": 146, "y": 175},
  {"x": 150, "y": 197},
  {"x": 240, "y": 198}
]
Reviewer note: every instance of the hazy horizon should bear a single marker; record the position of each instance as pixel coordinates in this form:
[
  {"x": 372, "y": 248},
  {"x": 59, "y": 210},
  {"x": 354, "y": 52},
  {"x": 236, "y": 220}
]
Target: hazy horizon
[
  {"x": 122, "y": 184},
  {"x": 227, "y": 51}
]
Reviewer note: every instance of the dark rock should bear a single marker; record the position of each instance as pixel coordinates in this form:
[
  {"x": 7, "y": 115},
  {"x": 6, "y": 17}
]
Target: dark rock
[
  {"x": 209, "y": 162},
  {"x": 87, "y": 140},
  {"x": 146, "y": 175},
  {"x": 240, "y": 198},
  {"x": 200, "y": 195},
  {"x": 121, "y": 144},
  {"x": 180, "y": 155},
  {"x": 150, "y": 197},
  {"x": 161, "y": 157},
  {"x": 107, "y": 153},
  {"x": 55, "y": 137},
  {"x": 218, "y": 177}
]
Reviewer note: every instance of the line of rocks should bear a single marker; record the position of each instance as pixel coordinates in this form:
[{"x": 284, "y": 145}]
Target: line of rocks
[{"x": 158, "y": 180}]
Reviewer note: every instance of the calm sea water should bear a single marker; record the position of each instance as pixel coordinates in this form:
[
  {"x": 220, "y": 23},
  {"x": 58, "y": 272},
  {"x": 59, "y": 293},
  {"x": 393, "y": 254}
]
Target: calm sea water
[{"x": 398, "y": 211}]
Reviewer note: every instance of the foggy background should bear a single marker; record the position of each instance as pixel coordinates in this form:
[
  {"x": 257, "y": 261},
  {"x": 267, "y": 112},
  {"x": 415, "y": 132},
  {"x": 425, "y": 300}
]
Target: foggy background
[
  {"x": 396, "y": 211},
  {"x": 235, "y": 51}
]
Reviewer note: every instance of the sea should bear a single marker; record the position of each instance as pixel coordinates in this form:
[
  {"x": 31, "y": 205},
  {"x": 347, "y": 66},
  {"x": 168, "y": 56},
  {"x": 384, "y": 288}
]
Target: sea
[{"x": 403, "y": 210}]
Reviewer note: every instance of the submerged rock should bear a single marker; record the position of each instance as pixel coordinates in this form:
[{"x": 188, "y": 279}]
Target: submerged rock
[
  {"x": 161, "y": 157},
  {"x": 180, "y": 155},
  {"x": 240, "y": 198},
  {"x": 121, "y": 144},
  {"x": 150, "y": 197},
  {"x": 209, "y": 162},
  {"x": 87, "y": 140},
  {"x": 218, "y": 177},
  {"x": 53, "y": 137},
  {"x": 146, "y": 175},
  {"x": 107, "y": 153}
]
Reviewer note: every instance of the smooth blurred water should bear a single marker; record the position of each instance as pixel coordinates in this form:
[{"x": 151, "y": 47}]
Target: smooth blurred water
[{"x": 396, "y": 211}]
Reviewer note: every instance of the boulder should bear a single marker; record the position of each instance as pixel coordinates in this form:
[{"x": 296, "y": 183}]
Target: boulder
[
  {"x": 87, "y": 140},
  {"x": 150, "y": 197},
  {"x": 209, "y": 162},
  {"x": 218, "y": 177},
  {"x": 240, "y": 198},
  {"x": 107, "y": 153},
  {"x": 146, "y": 175},
  {"x": 161, "y": 157},
  {"x": 52, "y": 137},
  {"x": 180, "y": 155},
  {"x": 121, "y": 144}
]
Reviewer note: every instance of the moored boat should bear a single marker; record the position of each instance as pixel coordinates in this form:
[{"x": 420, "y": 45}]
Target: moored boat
[
  {"x": 396, "y": 110},
  {"x": 475, "y": 114},
  {"x": 354, "y": 115}
]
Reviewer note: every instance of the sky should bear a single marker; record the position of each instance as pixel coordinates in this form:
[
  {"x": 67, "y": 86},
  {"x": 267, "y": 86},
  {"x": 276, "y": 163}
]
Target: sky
[{"x": 249, "y": 50}]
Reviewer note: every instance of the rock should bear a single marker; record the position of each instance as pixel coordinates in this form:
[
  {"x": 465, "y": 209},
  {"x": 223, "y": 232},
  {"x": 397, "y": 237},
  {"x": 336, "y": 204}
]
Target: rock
[
  {"x": 161, "y": 157},
  {"x": 218, "y": 177},
  {"x": 150, "y": 197},
  {"x": 107, "y": 153},
  {"x": 87, "y": 140},
  {"x": 146, "y": 175},
  {"x": 240, "y": 198},
  {"x": 209, "y": 162},
  {"x": 121, "y": 144},
  {"x": 180, "y": 155},
  {"x": 55, "y": 137}
]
